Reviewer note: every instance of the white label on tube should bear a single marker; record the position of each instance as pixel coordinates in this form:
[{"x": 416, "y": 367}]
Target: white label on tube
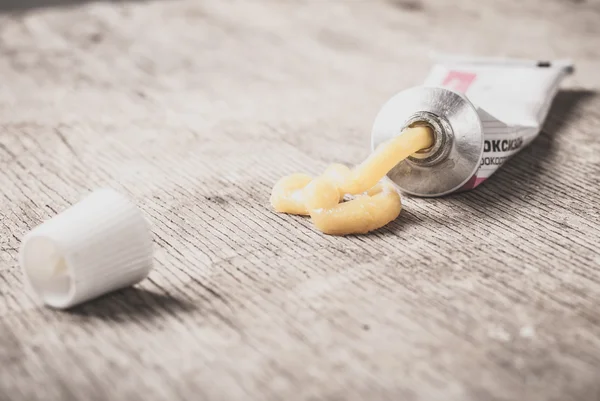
[{"x": 512, "y": 98}]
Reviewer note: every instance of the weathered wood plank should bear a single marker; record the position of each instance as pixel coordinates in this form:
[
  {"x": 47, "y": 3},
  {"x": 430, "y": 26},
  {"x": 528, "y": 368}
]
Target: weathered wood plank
[{"x": 194, "y": 109}]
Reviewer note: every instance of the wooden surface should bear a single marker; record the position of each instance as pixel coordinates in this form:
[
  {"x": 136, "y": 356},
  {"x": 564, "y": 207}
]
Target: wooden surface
[{"x": 195, "y": 108}]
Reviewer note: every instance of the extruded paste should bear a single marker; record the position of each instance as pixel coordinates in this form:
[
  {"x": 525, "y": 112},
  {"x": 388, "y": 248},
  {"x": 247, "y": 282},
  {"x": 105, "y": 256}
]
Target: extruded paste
[{"x": 373, "y": 205}]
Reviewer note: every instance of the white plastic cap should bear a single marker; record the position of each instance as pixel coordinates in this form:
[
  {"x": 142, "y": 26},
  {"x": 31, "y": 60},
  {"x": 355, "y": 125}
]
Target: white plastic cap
[{"x": 99, "y": 245}]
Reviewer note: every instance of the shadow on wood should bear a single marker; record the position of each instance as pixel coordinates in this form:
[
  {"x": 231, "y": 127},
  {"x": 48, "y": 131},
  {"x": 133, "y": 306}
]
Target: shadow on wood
[
  {"x": 561, "y": 112},
  {"x": 25, "y": 5},
  {"x": 130, "y": 303}
]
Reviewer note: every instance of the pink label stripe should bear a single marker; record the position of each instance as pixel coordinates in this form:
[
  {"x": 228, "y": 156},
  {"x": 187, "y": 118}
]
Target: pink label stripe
[{"x": 472, "y": 183}]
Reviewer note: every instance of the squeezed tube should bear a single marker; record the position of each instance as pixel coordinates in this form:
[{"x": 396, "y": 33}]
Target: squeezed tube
[{"x": 374, "y": 204}]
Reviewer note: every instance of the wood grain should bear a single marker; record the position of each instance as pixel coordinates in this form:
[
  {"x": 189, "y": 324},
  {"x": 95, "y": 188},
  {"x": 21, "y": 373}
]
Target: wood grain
[{"x": 194, "y": 109}]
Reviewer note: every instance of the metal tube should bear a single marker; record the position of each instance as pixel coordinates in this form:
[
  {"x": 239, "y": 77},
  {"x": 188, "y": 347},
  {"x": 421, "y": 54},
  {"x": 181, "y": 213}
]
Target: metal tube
[{"x": 458, "y": 147}]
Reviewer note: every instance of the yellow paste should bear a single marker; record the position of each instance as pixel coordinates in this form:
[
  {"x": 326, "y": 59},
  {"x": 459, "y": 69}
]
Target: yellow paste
[{"x": 374, "y": 204}]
